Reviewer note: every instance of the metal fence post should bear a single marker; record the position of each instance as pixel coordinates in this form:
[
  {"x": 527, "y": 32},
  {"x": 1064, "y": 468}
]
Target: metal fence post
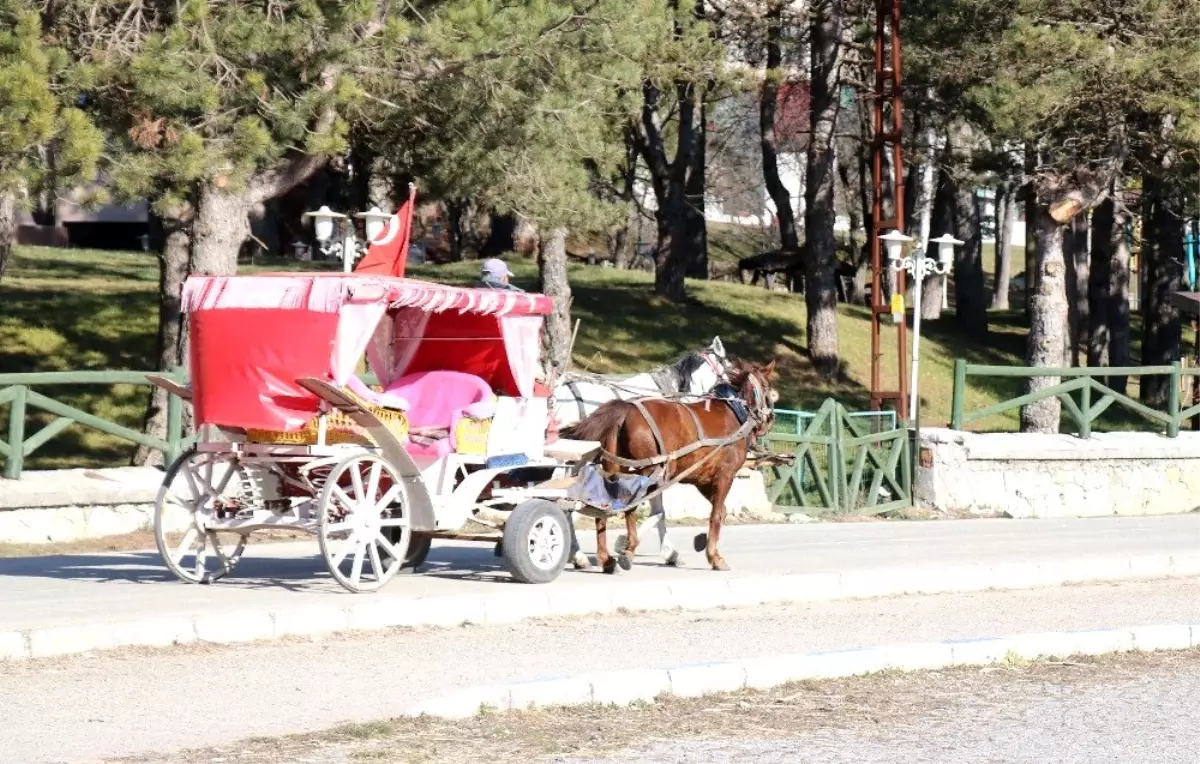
[
  {"x": 1173, "y": 400},
  {"x": 1085, "y": 409},
  {"x": 16, "y": 435},
  {"x": 958, "y": 397}
]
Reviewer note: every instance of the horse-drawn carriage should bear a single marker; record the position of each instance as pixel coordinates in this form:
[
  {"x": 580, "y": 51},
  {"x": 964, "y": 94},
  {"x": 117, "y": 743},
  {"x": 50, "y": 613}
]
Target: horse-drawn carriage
[{"x": 452, "y": 442}]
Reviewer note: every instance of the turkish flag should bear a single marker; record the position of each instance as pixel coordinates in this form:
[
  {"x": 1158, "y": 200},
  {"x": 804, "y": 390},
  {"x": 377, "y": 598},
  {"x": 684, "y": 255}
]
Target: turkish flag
[{"x": 388, "y": 254}]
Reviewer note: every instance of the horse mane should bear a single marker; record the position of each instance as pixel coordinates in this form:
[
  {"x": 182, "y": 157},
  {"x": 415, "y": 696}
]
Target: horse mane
[{"x": 674, "y": 375}]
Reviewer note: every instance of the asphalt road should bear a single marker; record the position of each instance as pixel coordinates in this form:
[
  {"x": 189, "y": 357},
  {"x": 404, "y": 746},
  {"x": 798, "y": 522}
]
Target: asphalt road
[
  {"x": 86, "y": 708},
  {"x": 63, "y": 590}
]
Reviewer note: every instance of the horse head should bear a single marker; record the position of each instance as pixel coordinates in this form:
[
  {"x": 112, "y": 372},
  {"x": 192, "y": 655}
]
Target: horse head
[{"x": 754, "y": 386}]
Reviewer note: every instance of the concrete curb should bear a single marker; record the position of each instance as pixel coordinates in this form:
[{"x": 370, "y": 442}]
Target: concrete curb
[
  {"x": 647, "y": 685},
  {"x": 625, "y": 594}
]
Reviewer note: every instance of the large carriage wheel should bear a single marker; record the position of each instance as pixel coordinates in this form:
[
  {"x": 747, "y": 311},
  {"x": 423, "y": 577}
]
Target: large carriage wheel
[
  {"x": 183, "y": 510},
  {"x": 361, "y": 510},
  {"x": 537, "y": 542}
]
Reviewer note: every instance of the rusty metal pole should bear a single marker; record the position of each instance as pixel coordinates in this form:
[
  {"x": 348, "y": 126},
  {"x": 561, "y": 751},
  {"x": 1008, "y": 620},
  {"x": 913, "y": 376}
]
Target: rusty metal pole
[{"x": 888, "y": 124}]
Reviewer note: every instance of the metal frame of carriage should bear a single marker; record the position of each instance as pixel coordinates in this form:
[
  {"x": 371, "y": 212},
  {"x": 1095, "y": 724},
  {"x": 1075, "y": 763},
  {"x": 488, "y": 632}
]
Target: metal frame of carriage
[{"x": 270, "y": 358}]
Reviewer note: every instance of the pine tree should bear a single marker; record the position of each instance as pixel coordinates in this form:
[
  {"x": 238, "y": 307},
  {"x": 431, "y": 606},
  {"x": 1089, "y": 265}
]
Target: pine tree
[{"x": 38, "y": 111}]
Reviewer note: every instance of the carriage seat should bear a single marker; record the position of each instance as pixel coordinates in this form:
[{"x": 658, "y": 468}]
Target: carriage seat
[{"x": 441, "y": 399}]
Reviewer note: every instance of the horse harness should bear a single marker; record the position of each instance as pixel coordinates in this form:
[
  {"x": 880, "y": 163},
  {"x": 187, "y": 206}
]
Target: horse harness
[{"x": 747, "y": 424}]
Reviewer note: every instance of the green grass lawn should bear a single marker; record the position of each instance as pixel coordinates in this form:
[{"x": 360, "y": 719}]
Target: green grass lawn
[{"x": 78, "y": 309}]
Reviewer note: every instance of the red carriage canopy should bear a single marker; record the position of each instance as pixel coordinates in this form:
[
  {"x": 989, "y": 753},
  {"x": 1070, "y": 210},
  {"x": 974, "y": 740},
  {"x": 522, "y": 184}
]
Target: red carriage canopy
[{"x": 251, "y": 337}]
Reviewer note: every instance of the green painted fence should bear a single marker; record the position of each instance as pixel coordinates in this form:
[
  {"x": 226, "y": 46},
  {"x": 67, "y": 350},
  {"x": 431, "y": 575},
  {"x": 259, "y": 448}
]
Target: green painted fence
[
  {"x": 845, "y": 462},
  {"x": 1084, "y": 393},
  {"x": 22, "y": 393}
]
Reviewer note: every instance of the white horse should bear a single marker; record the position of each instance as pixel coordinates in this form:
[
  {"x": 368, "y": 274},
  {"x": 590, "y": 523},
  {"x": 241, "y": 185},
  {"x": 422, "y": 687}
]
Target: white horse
[{"x": 693, "y": 374}]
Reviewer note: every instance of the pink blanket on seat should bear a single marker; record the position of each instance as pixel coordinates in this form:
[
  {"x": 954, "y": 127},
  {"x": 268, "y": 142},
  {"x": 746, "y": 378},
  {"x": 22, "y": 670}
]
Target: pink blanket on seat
[{"x": 441, "y": 399}]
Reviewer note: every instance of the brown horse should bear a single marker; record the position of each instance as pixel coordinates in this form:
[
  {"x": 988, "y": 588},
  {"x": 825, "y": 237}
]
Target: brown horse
[{"x": 625, "y": 434}]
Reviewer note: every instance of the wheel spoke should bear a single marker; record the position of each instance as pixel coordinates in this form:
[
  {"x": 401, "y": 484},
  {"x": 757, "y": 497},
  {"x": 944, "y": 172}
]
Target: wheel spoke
[
  {"x": 388, "y": 497},
  {"x": 345, "y": 549},
  {"x": 185, "y": 545},
  {"x": 376, "y": 564},
  {"x": 373, "y": 481},
  {"x": 220, "y": 489},
  {"x": 394, "y": 522},
  {"x": 356, "y": 483},
  {"x": 197, "y": 495},
  {"x": 383, "y": 541},
  {"x": 201, "y": 556},
  {"x": 357, "y": 565},
  {"x": 342, "y": 527},
  {"x": 340, "y": 495}
]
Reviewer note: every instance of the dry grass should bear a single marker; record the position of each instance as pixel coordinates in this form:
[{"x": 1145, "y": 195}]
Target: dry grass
[{"x": 533, "y": 736}]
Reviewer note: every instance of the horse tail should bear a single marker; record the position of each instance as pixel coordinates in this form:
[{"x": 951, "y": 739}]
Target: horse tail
[{"x": 602, "y": 425}]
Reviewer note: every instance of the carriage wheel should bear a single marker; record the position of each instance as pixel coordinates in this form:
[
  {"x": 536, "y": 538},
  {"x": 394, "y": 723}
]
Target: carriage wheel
[
  {"x": 186, "y": 504},
  {"x": 537, "y": 542},
  {"x": 361, "y": 509}
]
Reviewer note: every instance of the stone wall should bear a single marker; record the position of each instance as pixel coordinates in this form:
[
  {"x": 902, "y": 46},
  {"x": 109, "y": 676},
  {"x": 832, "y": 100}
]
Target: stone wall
[
  {"x": 69, "y": 505},
  {"x": 1051, "y": 476}
]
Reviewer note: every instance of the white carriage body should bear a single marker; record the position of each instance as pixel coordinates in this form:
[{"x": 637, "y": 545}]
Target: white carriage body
[{"x": 272, "y": 356}]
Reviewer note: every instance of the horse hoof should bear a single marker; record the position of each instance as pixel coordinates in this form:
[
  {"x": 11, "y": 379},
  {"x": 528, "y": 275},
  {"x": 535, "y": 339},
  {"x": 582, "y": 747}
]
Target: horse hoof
[
  {"x": 621, "y": 544},
  {"x": 581, "y": 562},
  {"x": 625, "y": 561},
  {"x": 610, "y": 566},
  {"x": 672, "y": 559},
  {"x": 700, "y": 543},
  {"x": 720, "y": 565}
]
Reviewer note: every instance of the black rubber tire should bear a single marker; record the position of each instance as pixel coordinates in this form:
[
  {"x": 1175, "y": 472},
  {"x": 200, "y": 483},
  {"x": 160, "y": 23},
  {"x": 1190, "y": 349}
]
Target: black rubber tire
[
  {"x": 517, "y": 528},
  {"x": 418, "y": 549}
]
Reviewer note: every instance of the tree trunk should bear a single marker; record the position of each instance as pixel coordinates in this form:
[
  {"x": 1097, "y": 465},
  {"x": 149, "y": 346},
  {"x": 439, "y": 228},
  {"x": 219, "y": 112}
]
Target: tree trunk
[
  {"x": 1162, "y": 333},
  {"x": 8, "y": 228},
  {"x": 1077, "y": 259},
  {"x": 172, "y": 244},
  {"x": 552, "y": 282},
  {"x": 922, "y": 208},
  {"x": 455, "y": 210},
  {"x": 1118, "y": 294},
  {"x": 970, "y": 290},
  {"x": 222, "y": 224},
  {"x": 942, "y": 218},
  {"x": 1031, "y": 211},
  {"x": 697, "y": 262},
  {"x": 1100, "y": 307},
  {"x": 1006, "y": 217},
  {"x": 788, "y": 238},
  {"x": 820, "y": 293},
  {"x": 1047, "y": 343}
]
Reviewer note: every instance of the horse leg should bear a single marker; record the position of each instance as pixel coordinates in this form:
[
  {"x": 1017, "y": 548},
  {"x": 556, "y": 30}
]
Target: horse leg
[
  {"x": 716, "y": 520},
  {"x": 625, "y": 556},
  {"x": 578, "y": 558},
  {"x": 657, "y": 517},
  {"x": 606, "y": 563}
]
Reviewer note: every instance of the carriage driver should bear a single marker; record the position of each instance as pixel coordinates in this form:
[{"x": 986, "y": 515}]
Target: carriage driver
[{"x": 496, "y": 275}]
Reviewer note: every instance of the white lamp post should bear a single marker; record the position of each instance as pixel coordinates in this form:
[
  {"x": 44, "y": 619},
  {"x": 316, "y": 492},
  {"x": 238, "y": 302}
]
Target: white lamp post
[
  {"x": 374, "y": 221},
  {"x": 325, "y": 226},
  {"x": 918, "y": 268}
]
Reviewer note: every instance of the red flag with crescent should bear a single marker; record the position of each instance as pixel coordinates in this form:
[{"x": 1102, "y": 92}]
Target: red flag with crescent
[{"x": 388, "y": 253}]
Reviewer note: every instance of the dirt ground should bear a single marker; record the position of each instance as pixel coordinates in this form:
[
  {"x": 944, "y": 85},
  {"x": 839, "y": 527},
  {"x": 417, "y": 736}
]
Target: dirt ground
[{"x": 540, "y": 736}]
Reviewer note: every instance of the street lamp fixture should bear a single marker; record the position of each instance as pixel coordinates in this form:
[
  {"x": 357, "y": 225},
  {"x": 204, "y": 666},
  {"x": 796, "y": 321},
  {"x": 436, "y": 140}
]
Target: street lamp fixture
[
  {"x": 374, "y": 221},
  {"x": 919, "y": 268},
  {"x": 335, "y": 236}
]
